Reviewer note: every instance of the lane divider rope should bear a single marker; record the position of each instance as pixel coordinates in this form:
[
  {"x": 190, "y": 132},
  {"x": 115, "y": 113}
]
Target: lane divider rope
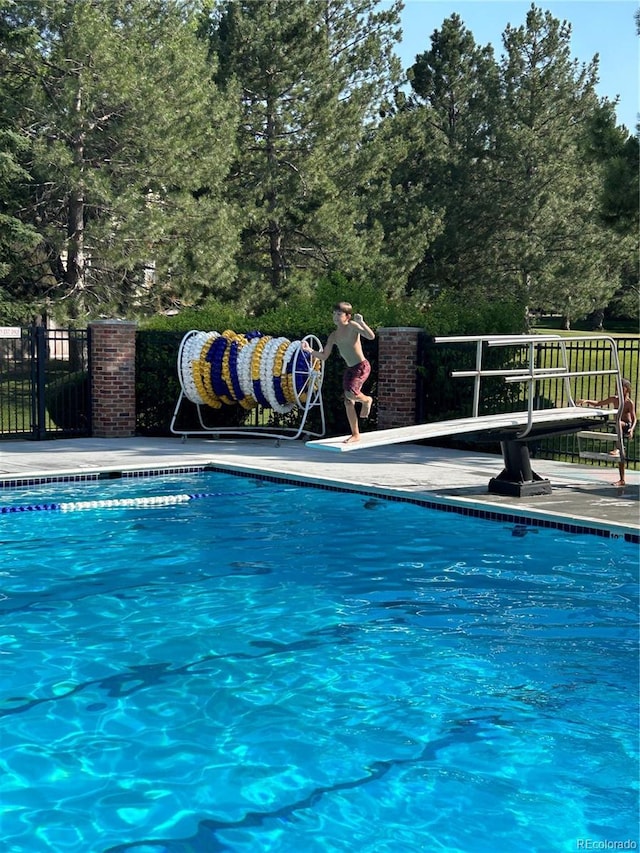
[{"x": 159, "y": 500}]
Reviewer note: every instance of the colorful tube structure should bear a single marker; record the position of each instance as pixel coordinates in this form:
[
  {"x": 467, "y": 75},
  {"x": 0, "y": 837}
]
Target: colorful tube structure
[{"x": 250, "y": 370}]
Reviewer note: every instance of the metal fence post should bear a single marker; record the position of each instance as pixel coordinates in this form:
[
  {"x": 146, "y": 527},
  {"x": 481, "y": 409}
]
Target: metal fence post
[{"x": 38, "y": 383}]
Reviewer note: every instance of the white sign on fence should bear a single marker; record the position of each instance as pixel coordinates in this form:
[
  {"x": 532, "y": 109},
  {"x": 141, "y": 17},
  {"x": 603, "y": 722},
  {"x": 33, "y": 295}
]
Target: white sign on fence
[{"x": 10, "y": 332}]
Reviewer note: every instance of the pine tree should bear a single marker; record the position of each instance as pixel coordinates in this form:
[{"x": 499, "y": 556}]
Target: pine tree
[
  {"x": 617, "y": 154},
  {"x": 16, "y": 237},
  {"x": 129, "y": 146},
  {"x": 552, "y": 252},
  {"x": 453, "y": 102},
  {"x": 313, "y": 75}
]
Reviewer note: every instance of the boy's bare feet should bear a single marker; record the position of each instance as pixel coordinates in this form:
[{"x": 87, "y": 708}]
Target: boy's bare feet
[
  {"x": 351, "y": 439},
  {"x": 620, "y": 483},
  {"x": 365, "y": 411}
]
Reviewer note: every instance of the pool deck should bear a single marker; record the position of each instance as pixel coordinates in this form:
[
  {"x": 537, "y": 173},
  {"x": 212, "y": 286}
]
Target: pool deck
[{"x": 582, "y": 496}]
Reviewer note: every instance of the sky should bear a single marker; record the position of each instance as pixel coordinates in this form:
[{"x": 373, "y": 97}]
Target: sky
[{"x": 605, "y": 27}]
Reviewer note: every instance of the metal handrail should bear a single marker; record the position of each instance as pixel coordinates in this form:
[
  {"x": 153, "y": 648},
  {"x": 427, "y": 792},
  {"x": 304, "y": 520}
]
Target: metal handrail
[{"x": 533, "y": 374}]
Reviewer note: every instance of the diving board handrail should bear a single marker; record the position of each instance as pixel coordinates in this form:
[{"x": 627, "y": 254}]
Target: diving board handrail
[
  {"x": 531, "y": 374},
  {"x": 552, "y": 373},
  {"x": 494, "y": 339},
  {"x": 491, "y": 340}
]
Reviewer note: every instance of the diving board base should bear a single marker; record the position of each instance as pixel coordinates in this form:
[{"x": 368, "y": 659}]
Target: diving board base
[
  {"x": 506, "y": 486},
  {"x": 517, "y": 479}
]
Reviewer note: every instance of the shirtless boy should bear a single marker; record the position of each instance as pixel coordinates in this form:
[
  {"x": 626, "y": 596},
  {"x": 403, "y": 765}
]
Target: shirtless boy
[
  {"x": 628, "y": 420},
  {"x": 346, "y": 336}
]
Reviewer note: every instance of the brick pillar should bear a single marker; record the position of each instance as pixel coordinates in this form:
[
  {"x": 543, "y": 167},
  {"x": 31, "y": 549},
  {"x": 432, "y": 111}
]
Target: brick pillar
[
  {"x": 113, "y": 378},
  {"x": 397, "y": 377}
]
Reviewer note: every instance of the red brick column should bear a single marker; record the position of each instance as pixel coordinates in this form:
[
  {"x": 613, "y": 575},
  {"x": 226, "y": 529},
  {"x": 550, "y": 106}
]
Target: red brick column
[
  {"x": 397, "y": 376},
  {"x": 113, "y": 378}
]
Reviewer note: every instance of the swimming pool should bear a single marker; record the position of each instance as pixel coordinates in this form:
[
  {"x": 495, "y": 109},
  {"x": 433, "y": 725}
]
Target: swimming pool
[{"x": 280, "y": 668}]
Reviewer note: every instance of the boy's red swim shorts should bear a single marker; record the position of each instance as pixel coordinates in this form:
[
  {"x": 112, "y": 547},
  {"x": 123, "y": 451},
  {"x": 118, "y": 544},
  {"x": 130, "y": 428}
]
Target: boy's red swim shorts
[{"x": 355, "y": 377}]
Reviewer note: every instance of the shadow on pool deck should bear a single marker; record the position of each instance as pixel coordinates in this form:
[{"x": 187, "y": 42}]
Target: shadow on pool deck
[{"x": 582, "y": 495}]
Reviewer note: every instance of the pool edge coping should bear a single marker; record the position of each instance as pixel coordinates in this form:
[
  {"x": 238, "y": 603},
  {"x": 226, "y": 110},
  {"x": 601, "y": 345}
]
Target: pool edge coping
[{"x": 511, "y": 513}]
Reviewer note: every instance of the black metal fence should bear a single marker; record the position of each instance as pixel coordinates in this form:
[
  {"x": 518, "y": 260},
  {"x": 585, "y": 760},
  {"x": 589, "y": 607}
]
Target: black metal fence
[
  {"x": 590, "y": 355},
  {"x": 44, "y": 383}
]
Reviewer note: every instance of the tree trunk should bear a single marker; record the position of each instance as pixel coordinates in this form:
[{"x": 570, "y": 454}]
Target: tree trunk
[
  {"x": 596, "y": 320},
  {"x": 75, "y": 221}
]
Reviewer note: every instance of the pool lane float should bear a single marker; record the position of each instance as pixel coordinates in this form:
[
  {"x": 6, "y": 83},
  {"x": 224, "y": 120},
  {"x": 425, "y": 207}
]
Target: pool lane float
[
  {"x": 146, "y": 501},
  {"x": 252, "y": 369}
]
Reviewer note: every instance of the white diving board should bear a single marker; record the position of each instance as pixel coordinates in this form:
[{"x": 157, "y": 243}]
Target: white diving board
[
  {"x": 555, "y": 419},
  {"x": 514, "y": 430}
]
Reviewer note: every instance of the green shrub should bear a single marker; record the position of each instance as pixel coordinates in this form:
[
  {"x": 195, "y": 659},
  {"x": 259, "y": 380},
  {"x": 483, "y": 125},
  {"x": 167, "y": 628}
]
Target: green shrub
[
  {"x": 67, "y": 402},
  {"x": 451, "y": 314},
  {"x": 448, "y": 314},
  {"x": 213, "y": 317}
]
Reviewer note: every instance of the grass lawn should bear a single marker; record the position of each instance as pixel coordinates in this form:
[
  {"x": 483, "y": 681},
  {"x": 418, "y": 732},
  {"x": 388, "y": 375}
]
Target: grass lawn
[
  {"x": 15, "y": 406},
  {"x": 615, "y": 328}
]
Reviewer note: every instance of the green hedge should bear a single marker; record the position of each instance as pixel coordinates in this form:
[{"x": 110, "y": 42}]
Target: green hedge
[
  {"x": 448, "y": 314},
  {"x": 67, "y": 402},
  {"x": 158, "y": 342}
]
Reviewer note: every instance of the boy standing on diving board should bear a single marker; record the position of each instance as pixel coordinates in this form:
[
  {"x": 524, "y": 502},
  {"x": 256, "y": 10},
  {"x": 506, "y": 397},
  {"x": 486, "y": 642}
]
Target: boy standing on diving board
[{"x": 346, "y": 336}]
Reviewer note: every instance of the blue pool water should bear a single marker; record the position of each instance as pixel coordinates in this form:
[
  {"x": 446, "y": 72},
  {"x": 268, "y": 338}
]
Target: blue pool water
[{"x": 278, "y": 668}]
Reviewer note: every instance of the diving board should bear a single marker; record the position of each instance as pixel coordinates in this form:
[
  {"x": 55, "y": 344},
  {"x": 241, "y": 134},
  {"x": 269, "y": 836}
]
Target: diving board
[
  {"x": 514, "y": 430},
  {"x": 551, "y": 420}
]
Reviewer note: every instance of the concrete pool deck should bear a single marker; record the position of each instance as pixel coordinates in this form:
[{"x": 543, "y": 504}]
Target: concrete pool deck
[{"x": 582, "y": 495}]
